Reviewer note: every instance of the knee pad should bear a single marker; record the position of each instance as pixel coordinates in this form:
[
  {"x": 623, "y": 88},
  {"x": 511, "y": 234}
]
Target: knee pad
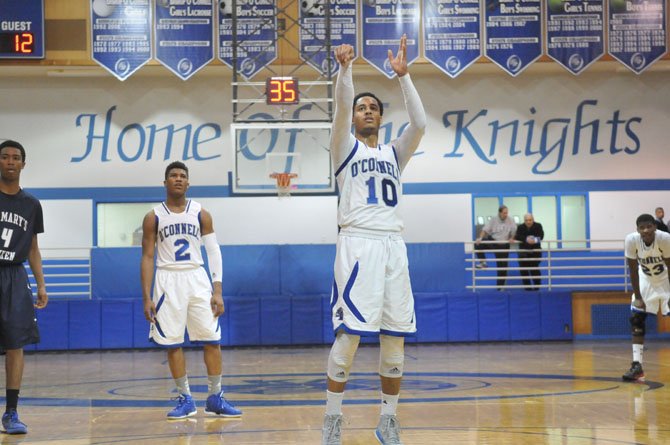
[
  {"x": 391, "y": 356},
  {"x": 342, "y": 356},
  {"x": 637, "y": 323}
]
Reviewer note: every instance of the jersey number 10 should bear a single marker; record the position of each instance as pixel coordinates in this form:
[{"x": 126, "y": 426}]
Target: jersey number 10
[{"x": 389, "y": 194}]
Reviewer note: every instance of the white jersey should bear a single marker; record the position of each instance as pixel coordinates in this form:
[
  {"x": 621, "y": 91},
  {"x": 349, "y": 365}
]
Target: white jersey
[
  {"x": 178, "y": 237},
  {"x": 370, "y": 189},
  {"x": 650, "y": 258}
]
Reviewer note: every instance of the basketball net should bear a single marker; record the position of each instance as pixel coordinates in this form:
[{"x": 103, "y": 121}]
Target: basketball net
[{"x": 283, "y": 183}]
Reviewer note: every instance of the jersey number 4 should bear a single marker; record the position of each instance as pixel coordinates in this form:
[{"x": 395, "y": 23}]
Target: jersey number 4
[
  {"x": 181, "y": 254},
  {"x": 7, "y": 236},
  {"x": 389, "y": 194}
]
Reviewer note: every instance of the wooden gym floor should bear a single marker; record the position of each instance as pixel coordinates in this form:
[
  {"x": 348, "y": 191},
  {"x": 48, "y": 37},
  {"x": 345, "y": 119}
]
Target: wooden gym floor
[{"x": 504, "y": 393}]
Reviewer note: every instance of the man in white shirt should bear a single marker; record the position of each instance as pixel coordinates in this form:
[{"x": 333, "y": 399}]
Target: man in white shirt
[{"x": 499, "y": 233}]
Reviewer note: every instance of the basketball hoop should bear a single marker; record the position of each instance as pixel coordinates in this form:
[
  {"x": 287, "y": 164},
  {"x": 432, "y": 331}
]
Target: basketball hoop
[{"x": 284, "y": 183}]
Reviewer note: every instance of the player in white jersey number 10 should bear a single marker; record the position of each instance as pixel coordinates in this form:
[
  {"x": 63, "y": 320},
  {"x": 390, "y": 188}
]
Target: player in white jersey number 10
[{"x": 372, "y": 294}]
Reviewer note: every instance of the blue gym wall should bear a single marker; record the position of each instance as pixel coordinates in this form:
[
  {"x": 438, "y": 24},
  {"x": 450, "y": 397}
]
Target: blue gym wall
[{"x": 279, "y": 295}]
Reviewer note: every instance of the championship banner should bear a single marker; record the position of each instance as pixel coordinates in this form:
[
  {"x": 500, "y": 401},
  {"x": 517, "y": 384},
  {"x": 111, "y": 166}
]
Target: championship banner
[
  {"x": 313, "y": 26},
  {"x": 637, "y": 32},
  {"x": 575, "y": 32},
  {"x": 121, "y": 35},
  {"x": 451, "y": 35},
  {"x": 513, "y": 33},
  {"x": 184, "y": 35},
  {"x": 256, "y": 35},
  {"x": 384, "y": 23}
]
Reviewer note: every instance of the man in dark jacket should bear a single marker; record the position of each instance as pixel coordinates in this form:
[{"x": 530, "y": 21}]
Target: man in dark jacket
[
  {"x": 529, "y": 234},
  {"x": 660, "y": 225}
]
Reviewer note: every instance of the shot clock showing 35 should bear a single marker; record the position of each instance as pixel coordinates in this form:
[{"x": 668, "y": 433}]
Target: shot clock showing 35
[
  {"x": 21, "y": 29},
  {"x": 281, "y": 91}
]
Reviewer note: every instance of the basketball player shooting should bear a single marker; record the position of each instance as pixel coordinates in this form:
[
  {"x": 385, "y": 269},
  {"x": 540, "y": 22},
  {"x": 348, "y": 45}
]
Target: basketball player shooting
[{"x": 372, "y": 293}]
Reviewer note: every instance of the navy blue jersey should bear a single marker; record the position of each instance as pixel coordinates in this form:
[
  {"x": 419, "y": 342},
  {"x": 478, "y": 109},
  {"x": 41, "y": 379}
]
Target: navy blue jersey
[{"x": 20, "y": 219}]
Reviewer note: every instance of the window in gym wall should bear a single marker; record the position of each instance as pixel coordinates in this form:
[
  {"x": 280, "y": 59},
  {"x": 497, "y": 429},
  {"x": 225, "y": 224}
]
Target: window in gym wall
[
  {"x": 120, "y": 224},
  {"x": 544, "y": 211},
  {"x": 517, "y": 206},
  {"x": 563, "y": 217},
  {"x": 573, "y": 220}
]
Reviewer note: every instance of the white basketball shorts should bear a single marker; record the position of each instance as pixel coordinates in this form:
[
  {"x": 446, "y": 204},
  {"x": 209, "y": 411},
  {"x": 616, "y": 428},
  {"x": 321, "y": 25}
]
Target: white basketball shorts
[
  {"x": 182, "y": 300},
  {"x": 372, "y": 292},
  {"x": 655, "y": 295}
]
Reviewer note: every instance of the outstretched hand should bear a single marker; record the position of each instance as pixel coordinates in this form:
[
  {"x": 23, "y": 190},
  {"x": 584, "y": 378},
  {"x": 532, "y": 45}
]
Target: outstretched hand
[
  {"x": 344, "y": 54},
  {"x": 399, "y": 62}
]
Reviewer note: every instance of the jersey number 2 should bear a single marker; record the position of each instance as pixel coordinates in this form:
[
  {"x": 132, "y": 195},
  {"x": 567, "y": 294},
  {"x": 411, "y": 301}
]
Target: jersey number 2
[
  {"x": 389, "y": 194},
  {"x": 182, "y": 247}
]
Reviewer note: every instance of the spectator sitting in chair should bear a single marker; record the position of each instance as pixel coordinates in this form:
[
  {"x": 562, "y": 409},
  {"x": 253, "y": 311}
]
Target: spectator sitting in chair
[{"x": 500, "y": 230}]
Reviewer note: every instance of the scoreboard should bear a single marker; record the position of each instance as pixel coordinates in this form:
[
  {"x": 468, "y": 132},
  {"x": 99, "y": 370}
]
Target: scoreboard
[{"x": 21, "y": 29}]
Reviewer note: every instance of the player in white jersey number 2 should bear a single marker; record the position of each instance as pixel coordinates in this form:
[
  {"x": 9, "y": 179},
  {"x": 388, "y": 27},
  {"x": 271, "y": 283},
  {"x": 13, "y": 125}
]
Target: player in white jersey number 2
[
  {"x": 182, "y": 296},
  {"x": 372, "y": 293},
  {"x": 648, "y": 255}
]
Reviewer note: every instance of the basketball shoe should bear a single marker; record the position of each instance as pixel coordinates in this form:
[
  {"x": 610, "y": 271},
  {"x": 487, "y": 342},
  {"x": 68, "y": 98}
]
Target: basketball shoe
[
  {"x": 388, "y": 430},
  {"x": 634, "y": 374},
  {"x": 12, "y": 424},
  {"x": 185, "y": 408},
  {"x": 332, "y": 430},
  {"x": 217, "y": 405}
]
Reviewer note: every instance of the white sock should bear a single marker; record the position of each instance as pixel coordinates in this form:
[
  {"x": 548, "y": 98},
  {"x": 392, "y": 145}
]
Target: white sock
[
  {"x": 389, "y": 404},
  {"x": 334, "y": 403},
  {"x": 214, "y": 384},
  {"x": 637, "y": 353},
  {"x": 182, "y": 385}
]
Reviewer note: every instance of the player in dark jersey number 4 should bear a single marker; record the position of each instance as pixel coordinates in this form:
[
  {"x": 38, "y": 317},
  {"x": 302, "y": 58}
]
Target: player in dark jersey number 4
[{"x": 20, "y": 222}]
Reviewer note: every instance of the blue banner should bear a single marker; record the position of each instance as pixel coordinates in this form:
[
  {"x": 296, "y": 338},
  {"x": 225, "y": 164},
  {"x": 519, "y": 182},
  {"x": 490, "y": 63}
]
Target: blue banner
[
  {"x": 256, "y": 35},
  {"x": 343, "y": 15},
  {"x": 637, "y": 32},
  {"x": 121, "y": 35},
  {"x": 451, "y": 36},
  {"x": 513, "y": 33},
  {"x": 184, "y": 35},
  {"x": 575, "y": 32},
  {"x": 384, "y": 22}
]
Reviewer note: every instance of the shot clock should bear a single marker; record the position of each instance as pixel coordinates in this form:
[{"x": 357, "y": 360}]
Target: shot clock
[
  {"x": 281, "y": 91},
  {"x": 21, "y": 29}
]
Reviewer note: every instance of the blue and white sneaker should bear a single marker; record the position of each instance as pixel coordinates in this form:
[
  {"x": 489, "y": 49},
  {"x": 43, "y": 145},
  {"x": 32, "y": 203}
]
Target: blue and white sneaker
[
  {"x": 185, "y": 408},
  {"x": 388, "y": 430},
  {"x": 217, "y": 405},
  {"x": 12, "y": 424}
]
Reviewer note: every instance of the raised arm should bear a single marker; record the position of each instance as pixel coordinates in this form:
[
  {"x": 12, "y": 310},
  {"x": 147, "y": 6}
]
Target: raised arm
[
  {"x": 341, "y": 139},
  {"x": 409, "y": 140}
]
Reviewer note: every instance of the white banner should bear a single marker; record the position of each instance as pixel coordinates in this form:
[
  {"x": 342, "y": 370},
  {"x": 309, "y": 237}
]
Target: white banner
[{"x": 98, "y": 132}]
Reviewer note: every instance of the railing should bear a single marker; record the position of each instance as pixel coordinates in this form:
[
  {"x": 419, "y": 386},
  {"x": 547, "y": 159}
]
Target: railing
[
  {"x": 67, "y": 273},
  {"x": 599, "y": 265}
]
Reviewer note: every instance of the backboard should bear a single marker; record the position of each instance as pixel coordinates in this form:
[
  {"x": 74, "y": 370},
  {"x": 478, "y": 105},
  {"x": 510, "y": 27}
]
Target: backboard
[{"x": 263, "y": 149}]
